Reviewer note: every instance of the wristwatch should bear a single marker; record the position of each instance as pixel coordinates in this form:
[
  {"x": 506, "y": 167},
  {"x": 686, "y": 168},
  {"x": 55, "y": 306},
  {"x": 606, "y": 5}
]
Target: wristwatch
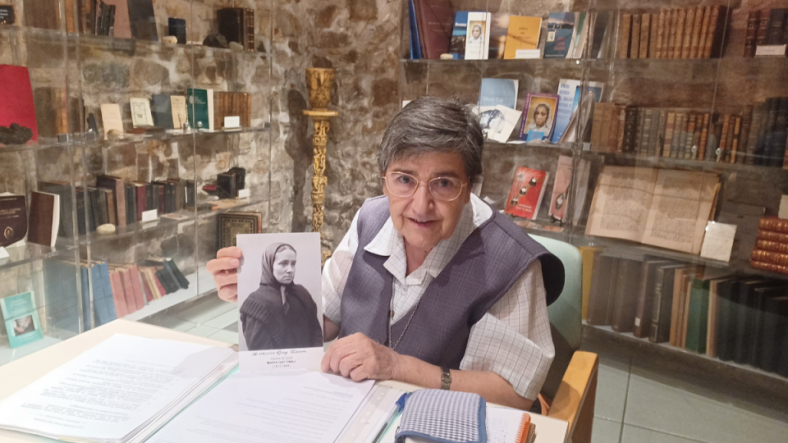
[{"x": 445, "y": 378}]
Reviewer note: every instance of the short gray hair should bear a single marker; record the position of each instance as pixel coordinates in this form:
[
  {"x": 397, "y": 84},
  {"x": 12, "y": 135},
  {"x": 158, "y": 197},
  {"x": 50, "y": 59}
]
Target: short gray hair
[{"x": 431, "y": 124}]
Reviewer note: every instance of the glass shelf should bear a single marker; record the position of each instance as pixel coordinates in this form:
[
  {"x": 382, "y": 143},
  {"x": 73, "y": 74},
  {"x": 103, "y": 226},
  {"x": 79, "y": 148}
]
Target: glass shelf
[
  {"x": 79, "y": 139},
  {"x": 31, "y": 252},
  {"x": 671, "y": 162},
  {"x": 491, "y": 144}
]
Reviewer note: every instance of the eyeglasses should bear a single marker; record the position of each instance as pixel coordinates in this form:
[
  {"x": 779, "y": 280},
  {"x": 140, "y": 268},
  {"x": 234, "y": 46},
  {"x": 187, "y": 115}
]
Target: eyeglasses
[{"x": 404, "y": 185}]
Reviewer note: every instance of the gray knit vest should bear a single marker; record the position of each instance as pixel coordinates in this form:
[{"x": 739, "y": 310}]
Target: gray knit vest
[{"x": 487, "y": 264}]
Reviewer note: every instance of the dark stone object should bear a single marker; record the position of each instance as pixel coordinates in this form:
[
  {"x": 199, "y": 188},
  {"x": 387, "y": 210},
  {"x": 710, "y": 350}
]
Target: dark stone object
[
  {"x": 215, "y": 41},
  {"x": 15, "y": 135}
]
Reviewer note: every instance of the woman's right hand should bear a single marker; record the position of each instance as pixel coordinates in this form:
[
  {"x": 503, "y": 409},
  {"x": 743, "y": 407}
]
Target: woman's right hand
[{"x": 225, "y": 272}]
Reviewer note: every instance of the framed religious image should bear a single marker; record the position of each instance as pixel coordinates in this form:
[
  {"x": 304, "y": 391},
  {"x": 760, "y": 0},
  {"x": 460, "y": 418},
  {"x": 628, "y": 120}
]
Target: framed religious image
[
  {"x": 280, "y": 298},
  {"x": 538, "y": 116}
]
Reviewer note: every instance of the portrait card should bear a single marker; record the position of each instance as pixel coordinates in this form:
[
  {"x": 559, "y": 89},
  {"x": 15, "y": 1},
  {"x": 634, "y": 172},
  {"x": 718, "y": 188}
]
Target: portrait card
[
  {"x": 21, "y": 319},
  {"x": 539, "y": 114},
  {"x": 280, "y": 302},
  {"x": 477, "y": 37}
]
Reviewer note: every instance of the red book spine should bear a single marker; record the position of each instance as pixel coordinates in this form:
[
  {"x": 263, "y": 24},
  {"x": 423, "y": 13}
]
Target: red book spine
[
  {"x": 117, "y": 294},
  {"x": 16, "y": 96},
  {"x": 139, "y": 297},
  {"x": 128, "y": 290}
]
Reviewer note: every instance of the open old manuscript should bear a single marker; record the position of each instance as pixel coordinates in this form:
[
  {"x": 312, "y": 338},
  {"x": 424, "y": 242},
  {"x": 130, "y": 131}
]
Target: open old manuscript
[{"x": 659, "y": 207}]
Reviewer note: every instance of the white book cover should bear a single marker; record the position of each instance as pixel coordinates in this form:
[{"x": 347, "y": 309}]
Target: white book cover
[
  {"x": 498, "y": 121},
  {"x": 140, "y": 112},
  {"x": 477, "y": 40},
  {"x": 111, "y": 118}
]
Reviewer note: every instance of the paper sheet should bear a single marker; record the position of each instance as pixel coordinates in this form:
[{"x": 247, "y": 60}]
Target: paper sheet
[
  {"x": 289, "y": 407},
  {"x": 718, "y": 242},
  {"x": 621, "y": 202},
  {"x": 111, "y": 390}
]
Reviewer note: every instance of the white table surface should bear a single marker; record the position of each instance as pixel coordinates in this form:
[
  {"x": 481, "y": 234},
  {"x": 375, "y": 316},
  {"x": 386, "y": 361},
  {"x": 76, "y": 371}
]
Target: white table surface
[{"x": 19, "y": 374}]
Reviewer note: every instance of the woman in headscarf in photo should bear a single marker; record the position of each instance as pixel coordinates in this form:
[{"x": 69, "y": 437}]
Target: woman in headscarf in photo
[
  {"x": 280, "y": 314},
  {"x": 541, "y": 121}
]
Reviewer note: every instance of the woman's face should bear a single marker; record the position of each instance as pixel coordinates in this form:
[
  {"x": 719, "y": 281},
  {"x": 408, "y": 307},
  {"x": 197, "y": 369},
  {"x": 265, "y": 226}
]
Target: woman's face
[
  {"x": 477, "y": 31},
  {"x": 284, "y": 266},
  {"x": 422, "y": 220},
  {"x": 540, "y": 116}
]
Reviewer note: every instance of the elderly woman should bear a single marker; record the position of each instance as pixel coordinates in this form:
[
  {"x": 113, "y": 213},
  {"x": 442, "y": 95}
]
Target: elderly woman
[
  {"x": 280, "y": 314},
  {"x": 430, "y": 286}
]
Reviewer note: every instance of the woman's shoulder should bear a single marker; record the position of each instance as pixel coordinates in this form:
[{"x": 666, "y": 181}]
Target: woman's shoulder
[{"x": 261, "y": 302}]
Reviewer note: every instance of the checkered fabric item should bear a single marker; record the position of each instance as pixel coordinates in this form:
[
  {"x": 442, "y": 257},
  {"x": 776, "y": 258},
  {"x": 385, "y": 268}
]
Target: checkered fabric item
[{"x": 444, "y": 416}]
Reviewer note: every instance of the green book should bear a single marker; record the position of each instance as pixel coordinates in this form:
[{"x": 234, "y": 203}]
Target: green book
[
  {"x": 698, "y": 317},
  {"x": 21, "y": 319},
  {"x": 199, "y": 104}
]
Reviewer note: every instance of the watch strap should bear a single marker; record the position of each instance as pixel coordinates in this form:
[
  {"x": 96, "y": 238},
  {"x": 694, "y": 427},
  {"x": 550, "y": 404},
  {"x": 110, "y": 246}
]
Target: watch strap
[{"x": 445, "y": 378}]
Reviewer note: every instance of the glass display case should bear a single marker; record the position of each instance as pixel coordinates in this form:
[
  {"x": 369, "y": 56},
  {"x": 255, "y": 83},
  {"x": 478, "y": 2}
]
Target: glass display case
[
  {"x": 675, "y": 161},
  {"x": 114, "y": 256}
]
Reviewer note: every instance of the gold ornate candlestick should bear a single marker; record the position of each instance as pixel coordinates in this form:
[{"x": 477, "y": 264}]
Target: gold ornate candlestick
[{"x": 319, "y": 83}]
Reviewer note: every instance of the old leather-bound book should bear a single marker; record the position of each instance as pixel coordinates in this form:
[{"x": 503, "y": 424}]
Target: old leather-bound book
[
  {"x": 44, "y": 218},
  {"x": 233, "y": 223}
]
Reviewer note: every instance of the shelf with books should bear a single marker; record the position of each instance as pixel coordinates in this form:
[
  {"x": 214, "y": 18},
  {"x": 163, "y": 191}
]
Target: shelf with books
[
  {"x": 629, "y": 159},
  {"x": 681, "y": 359},
  {"x": 201, "y": 284},
  {"x": 497, "y": 146}
]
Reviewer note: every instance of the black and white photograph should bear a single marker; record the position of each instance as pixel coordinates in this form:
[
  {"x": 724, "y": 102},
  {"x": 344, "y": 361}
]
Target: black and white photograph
[{"x": 279, "y": 292}]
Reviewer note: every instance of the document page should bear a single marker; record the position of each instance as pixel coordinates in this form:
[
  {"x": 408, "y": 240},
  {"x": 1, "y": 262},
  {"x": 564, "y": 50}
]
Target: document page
[
  {"x": 292, "y": 407},
  {"x": 621, "y": 202},
  {"x": 111, "y": 390}
]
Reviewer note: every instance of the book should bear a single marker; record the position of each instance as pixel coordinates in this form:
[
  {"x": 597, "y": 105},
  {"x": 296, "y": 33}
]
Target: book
[
  {"x": 661, "y": 35},
  {"x": 588, "y": 254},
  {"x": 686, "y": 45},
  {"x": 111, "y": 119},
  {"x": 560, "y": 198},
  {"x": 22, "y": 322},
  {"x": 634, "y": 39},
  {"x": 162, "y": 112},
  {"x": 580, "y": 35},
  {"x": 773, "y": 332},
  {"x": 681, "y": 22},
  {"x": 762, "y": 32},
  {"x": 434, "y": 19},
  {"x": 645, "y": 32},
  {"x": 681, "y": 284},
  {"x": 498, "y": 91},
  {"x": 624, "y": 30},
  {"x": 118, "y": 187},
  {"x": 143, "y": 20},
  {"x": 644, "y": 205},
  {"x": 776, "y": 26},
  {"x": 659, "y": 330},
  {"x": 7, "y": 15},
  {"x": 13, "y": 219},
  {"x": 44, "y": 218},
  {"x": 630, "y": 129},
  {"x": 715, "y": 32},
  {"x": 18, "y": 105},
  {"x": 539, "y": 114},
  {"x": 230, "y": 224},
  {"x": 120, "y": 22},
  {"x": 499, "y": 27},
  {"x": 458, "y": 34},
  {"x": 477, "y": 37},
  {"x": 671, "y": 28},
  {"x": 525, "y": 196},
  {"x": 645, "y": 296},
  {"x": 753, "y": 19},
  {"x": 180, "y": 113},
  {"x": 200, "y": 108},
  {"x": 697, "y": 317},
  {"x": 523, "y": 35},
  {"x": 652, "y": 39},
  {"x": 600, "y": 294},
  {"x": 560, "y": 29},
  {"x": 102, "y": 294},
  {"x": 601, "y": 35},
  {"x": 176, "y": 27},
  {"x": 697, "y": 25},
  {"x": 231, "y": 25},
  {"x": 627, "y": 282}
]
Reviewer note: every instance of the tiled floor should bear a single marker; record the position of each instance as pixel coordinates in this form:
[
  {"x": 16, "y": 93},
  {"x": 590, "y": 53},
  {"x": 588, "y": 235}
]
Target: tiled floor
[{"x": 636, "y": 403}]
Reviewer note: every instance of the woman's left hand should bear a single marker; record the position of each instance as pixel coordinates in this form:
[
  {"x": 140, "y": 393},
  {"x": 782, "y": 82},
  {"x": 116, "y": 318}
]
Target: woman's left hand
[{"x": 360, "y": 358}]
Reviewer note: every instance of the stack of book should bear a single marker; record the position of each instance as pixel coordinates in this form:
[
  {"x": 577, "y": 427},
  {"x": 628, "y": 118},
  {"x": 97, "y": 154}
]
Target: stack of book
[
  {"x": 757, "y": 136},
  {"x": 771, "y": 249},
  {"x": 113, "y": 201},
  {"x": 675, "y": 33},
  {"x": 237, "y": 25},
  {"x": 734, "y": 318},
  {"x": 122, "y": 289},
  {"x": 765, "y": 27}
]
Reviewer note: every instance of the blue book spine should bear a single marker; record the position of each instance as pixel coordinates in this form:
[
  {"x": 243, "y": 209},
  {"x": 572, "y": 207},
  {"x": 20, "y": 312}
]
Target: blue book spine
[
  {"x": 87, "y": 318},
  {"x": 457, "y": 44},
  {"x": 111, "y": 312},
  {"x": 99, "y": 298},
  {"x": 415, "y": 41}
]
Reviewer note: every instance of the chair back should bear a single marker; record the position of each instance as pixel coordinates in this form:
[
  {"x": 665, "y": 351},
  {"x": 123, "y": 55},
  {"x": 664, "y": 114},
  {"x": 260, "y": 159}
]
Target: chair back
[{"x": 565, "y": 312}]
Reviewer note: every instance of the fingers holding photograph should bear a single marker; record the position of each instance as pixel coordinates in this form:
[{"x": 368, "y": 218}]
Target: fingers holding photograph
[{"x": 279, "y": 292}]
